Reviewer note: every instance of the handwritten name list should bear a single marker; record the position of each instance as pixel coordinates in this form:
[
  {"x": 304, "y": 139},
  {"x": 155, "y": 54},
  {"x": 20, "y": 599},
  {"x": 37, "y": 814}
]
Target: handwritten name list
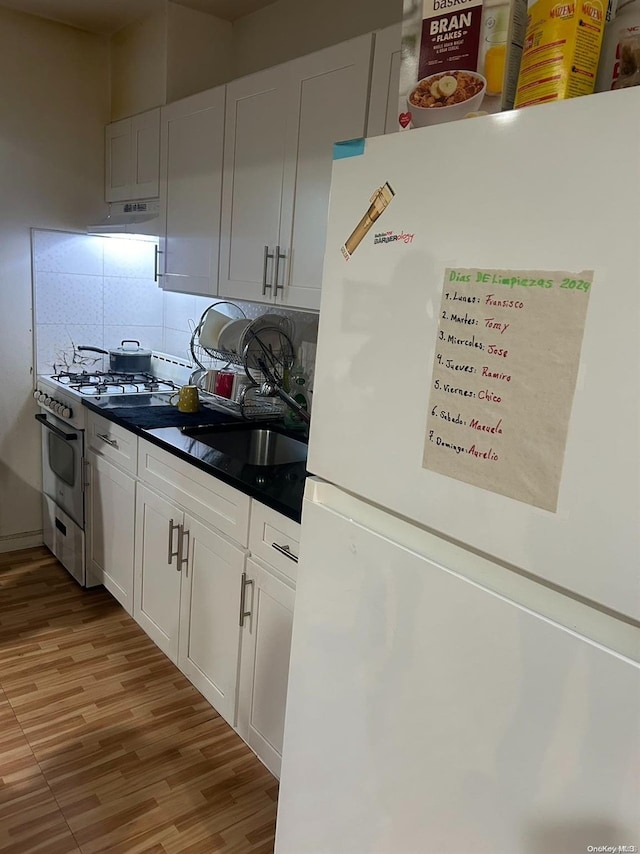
[{"x": 504, "y": 376}]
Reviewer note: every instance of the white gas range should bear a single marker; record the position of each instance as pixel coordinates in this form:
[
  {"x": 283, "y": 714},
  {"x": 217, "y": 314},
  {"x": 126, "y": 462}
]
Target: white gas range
[
  {"x": 63, "y": 420},
  {"x": 62, "y": 393}
]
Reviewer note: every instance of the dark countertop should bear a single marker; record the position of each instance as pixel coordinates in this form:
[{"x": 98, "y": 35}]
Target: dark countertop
[{"x": 279, "y": 487}]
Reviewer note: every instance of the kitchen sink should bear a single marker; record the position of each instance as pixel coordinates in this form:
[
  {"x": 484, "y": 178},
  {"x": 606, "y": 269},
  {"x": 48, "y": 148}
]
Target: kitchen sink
[{"x": 255, "y": 446}]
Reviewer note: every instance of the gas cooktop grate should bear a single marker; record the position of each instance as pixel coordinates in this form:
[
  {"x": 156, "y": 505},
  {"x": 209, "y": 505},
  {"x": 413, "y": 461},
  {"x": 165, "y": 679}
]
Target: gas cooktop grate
[{"x": 101, "y": 382}]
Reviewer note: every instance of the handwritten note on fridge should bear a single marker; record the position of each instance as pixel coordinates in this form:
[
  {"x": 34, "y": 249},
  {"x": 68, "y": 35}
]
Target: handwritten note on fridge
[{"x": 504, "y": 375}]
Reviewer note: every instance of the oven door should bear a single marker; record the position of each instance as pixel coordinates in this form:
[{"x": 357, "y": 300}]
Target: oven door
[{"x": 62, "y": 454}]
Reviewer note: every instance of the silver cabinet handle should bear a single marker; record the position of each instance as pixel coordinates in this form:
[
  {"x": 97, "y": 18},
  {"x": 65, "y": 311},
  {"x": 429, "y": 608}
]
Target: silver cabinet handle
[
  {"x": 278, "y": 255},
  {"x": 184, "y": 554},
  {"x": 243, "y": 598},
  {"x": 267, "y": 255},
  {"x": 286, "y": 551},
  {"x": 106, "y": 439},
  {"x": 156, "y": 265},
  {"x": 170, "y": 553}
]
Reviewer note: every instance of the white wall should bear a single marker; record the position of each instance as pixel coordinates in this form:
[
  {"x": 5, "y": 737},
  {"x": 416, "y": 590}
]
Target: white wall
[
  {"x": 178, "y": 51},
  {"x": 139, "y": 66},
  {"x": 98, "y": 290},
  {"x": 172, "y": 53},
  {"x": 198, "y": 52},
  {"x": 54, "y": 96},
  {"x": 291, "y": 28},
  {"x": 93, "y": 291}
]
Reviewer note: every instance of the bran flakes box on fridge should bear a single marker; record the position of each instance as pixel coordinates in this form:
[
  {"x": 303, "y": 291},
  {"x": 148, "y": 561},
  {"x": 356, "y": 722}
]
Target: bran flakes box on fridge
[{"x": 460, "y": 58}]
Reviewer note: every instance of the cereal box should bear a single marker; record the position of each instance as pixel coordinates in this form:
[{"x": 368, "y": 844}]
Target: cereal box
[
  {"x": 460, "y": 58},
  {"x": 561, "y": 51}
]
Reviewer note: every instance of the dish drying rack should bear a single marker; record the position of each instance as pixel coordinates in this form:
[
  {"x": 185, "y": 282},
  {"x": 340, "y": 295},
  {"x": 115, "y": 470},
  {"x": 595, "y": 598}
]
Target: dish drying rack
[{"x": 265, "y": 352}]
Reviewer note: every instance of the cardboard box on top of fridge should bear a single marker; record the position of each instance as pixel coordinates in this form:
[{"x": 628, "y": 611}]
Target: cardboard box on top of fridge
[
  {"x": 619, "y": 65},
  {"x": 561, "y": 50},
  {"x": 460, "y": 59}
]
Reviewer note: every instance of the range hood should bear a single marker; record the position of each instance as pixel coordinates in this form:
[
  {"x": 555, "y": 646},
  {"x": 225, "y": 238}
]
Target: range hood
[{"x": 128, "y": 218}]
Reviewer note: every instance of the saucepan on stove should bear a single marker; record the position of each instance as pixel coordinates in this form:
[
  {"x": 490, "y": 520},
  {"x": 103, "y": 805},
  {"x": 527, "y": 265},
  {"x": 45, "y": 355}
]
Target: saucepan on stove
[{"x": 128, "y": 358}]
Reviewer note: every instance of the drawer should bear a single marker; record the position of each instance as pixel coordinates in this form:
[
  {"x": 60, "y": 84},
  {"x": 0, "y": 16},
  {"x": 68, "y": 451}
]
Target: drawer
[
  {"x": 270, "y": 529},
  {"x": 114, "y": 443},
  {"x": 196, "y": 491}
]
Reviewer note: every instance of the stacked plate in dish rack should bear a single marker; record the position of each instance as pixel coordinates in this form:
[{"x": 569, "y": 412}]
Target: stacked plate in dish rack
[
  {"x": 262, "y": 347},
  {"x": 213, "y": 324},
  {"x": 231, "y": 335},
  {"x": 270, "y": 334},
  {"x": 234, "y": 337}
]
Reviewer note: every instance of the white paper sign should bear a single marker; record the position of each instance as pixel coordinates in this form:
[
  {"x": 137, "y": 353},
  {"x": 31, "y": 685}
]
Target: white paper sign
[{"x": 504, "y": 377}]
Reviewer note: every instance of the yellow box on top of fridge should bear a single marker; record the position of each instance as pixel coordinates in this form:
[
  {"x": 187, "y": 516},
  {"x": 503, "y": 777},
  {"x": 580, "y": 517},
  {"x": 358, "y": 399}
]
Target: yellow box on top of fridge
[{"x": 561, "y": 50}]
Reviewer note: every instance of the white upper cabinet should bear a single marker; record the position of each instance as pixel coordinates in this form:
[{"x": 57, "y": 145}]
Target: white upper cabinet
[
  {"x": 132, "y": 157},
  {"x": 191, "y": 185},
  {"x": 328, "y": 103},
  {"x": 280, "y": 128},
  {"x": 117, "y": 165},
  {"x": 385, "y": 82},
  {"x": 254, "y": 155}
]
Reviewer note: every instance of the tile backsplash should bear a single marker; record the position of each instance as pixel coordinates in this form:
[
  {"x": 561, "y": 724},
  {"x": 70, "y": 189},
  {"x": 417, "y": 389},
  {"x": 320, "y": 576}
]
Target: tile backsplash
[{"x": 97, "y": 291}]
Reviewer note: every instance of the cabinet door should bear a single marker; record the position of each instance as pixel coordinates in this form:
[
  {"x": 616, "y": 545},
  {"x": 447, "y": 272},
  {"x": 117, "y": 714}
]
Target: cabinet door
[
  {"x": 117, "y": 178},
  {"x": 385, "y": 82},
  {"x": 328, "y": 99},
  {"x": 209, "y": 611},
  {"x": 158, "y": 575},
  {"x": 132, "y": 157},
  {"x": 264, "y": 671},
  {"x": 191, "y": 180},
  {"x": 110, "y": 529},
  {"x": 254, "y": 151},
  {"x": 145, "y": 155}
]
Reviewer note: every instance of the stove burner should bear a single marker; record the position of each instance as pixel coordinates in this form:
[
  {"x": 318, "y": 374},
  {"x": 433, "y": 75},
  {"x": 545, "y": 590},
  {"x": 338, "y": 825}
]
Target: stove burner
[
  {"x": 111, "y": 382},
  {"x": 92, "y": 377}
]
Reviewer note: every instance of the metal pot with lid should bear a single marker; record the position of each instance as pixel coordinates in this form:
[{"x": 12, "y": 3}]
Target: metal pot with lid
[{"x": 125, "y": 360}]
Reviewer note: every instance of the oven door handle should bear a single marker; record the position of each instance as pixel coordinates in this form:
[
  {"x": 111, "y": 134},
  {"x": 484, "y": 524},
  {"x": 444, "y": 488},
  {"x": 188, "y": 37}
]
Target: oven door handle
[{"x": 66, "y": 436}]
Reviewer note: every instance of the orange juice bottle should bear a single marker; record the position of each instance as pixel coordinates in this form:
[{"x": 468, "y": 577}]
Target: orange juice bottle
[{"x": 494, "y": 62}]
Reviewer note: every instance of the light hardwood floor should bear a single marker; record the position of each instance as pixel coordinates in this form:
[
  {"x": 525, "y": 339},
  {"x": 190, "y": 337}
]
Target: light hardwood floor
[{"x": 104, "y": 744}]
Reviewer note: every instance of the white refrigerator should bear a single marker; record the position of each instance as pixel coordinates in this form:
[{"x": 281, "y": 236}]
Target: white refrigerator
[{"x": 464, "y": 671}]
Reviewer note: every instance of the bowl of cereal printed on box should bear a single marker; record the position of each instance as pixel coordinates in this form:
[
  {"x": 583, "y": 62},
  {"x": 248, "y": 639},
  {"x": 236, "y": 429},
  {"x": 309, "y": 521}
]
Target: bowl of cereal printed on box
[{"x": 445, "y": 97}]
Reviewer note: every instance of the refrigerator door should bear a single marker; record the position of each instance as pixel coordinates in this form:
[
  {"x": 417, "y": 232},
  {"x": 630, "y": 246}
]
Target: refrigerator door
[
  {"x": 428, "y": 715},
  {"x": 551, "y": 188}
]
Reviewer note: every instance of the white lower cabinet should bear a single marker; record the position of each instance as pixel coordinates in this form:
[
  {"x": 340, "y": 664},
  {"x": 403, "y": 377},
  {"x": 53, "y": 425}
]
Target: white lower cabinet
[
  {"x": 264, "y": 669},
  {"x": 158, "y": 576},
  {"x": 110, "y": 529},
  {"x": 209, "y": 647},
  {"x": 167, "y": 546},
  {"x": 188, "y": 580}
]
